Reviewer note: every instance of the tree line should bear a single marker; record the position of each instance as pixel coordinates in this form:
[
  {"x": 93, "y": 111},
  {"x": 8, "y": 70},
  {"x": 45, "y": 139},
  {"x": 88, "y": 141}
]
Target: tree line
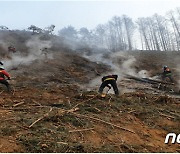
[{"x": 158, "y": 33}]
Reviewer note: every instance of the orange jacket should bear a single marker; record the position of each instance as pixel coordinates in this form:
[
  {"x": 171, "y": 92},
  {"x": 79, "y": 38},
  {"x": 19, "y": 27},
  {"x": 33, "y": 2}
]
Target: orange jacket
[{"x": 3, "y": 73}]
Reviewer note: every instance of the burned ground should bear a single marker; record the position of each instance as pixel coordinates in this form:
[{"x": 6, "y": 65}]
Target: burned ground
[
  {"x": 51, "y": 110},
  {"x": 45, "y": 121}
]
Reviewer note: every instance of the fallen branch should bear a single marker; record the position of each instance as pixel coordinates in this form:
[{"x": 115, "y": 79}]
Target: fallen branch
[
  {"x": 40, "y": 118},
  {"x": 96, "y": 119},
  {"x": 80, "y": 130},
  {"x": 36, "y": 102},
  {"x": 174, "y": 114},
  {"x": 71, "y": 110},
  {"x": 14, "y": 109},
  {"x": 62, "y": 143},
  {"x": 97, "y": 109},
  {"x": 168, "y": 116},
  {"x": 32, "y": 108},
  {"x": 171, "y": 112},
  {"x": 18, "y": 104},
  {"x": 1, "y": 92},
  {"x": 131, "y": 111}
]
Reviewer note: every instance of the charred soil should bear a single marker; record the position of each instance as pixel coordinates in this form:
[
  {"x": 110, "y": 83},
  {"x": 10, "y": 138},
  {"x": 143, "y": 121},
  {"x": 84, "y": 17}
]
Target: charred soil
[{"x": 49, "y": 111}]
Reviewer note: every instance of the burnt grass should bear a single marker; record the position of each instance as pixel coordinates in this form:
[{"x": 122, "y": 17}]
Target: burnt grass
[{"x": 52, "y": 132}]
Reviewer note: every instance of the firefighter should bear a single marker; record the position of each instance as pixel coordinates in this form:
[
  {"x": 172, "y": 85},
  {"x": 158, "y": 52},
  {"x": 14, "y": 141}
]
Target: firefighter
[
  {"x": 110, "y": 79},
  {"x": 3, "y": 80},
  {"x": 167, "y": 74}
]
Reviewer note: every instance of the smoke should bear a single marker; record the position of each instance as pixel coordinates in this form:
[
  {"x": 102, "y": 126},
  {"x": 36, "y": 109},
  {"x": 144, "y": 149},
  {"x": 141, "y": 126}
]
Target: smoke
[
  {"x": 127, "y": 63},
  {"x": 35, "y": 46},
  {"x": 3, "y": 44},
  {"x": 18, "y": 60},
  {"x": 94, "y": 83},
  {"x": 121, "y": 63},
  {"x": 143, "y": 74}
]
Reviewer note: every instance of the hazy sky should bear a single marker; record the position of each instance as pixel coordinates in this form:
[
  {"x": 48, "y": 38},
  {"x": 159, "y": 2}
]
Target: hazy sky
[{"x": 22, "y": 14}]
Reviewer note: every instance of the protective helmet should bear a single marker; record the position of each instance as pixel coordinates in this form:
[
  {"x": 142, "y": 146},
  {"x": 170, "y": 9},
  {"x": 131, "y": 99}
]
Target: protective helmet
[{"x": 165, "y": 67}]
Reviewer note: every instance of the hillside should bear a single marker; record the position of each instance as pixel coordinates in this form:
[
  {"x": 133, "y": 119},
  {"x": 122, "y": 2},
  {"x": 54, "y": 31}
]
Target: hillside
[{"x": 55, "y": 107}]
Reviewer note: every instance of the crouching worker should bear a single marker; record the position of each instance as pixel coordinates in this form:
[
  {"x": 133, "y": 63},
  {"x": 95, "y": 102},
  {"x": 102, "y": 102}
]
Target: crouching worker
[
  {"x": 110, "y": 79},
  {"x": 3, "y": 73}
]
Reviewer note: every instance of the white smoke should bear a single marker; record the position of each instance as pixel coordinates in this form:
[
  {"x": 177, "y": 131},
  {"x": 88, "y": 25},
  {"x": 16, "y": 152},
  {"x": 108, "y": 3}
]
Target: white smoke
[
  {"x": 121, "y": 63},
  {"x": 124, "y": 64},
  {"x": 18, "y": 60},
  {"x": 127, "y": 66},
  {"x": 3, "y": 44},
  {"x": 94, "y": 83},
  {"x": 143, "y": 74},
  {"x": 35, "y": 46}
]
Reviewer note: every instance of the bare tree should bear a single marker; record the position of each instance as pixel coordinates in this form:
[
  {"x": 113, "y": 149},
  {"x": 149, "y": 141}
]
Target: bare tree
[
  {"x": 161, "y": 30},
  {"x": 118, "y": 25},
  {"x": 143, "y": 31},
  {"x": 129, "y": 26},
  {"x": 176, "y": 30},
  {"x": 153, "y": 34}
]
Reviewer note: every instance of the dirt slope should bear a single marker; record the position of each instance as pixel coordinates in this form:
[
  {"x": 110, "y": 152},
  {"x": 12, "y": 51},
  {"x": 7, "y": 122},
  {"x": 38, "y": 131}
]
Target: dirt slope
[
  {"x": 50, "y": 109},
  {"x": 48, "y": 112}
]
